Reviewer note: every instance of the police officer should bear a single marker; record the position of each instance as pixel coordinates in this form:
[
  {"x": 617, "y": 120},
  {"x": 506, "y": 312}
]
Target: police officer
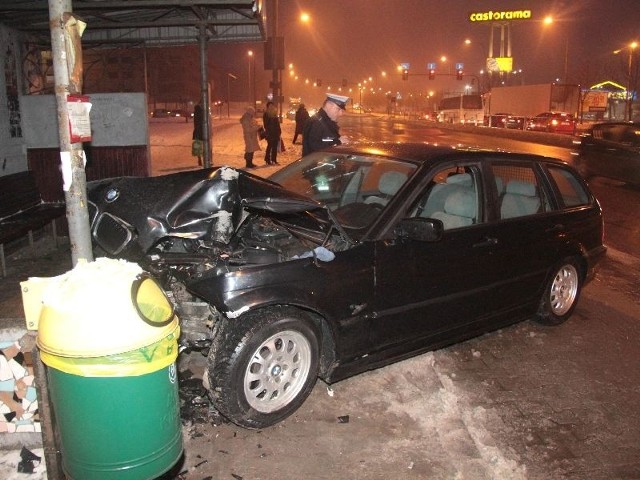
[{"x": 321, "y": 130}]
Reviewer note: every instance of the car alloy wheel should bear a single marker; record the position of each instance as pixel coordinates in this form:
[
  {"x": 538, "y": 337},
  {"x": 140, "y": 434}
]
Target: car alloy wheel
[
  {"x": 277, "y": 371},
  {"x": 263, "y": 365},
  {"x": 564, "y": 290},
  {"x": 561, "y": 293}
]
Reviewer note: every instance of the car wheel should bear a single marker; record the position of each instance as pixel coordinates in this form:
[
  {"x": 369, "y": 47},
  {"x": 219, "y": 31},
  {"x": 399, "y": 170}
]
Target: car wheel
[
  {"x": 561, "y": 294},
  {"x": 263, "y": 365}
]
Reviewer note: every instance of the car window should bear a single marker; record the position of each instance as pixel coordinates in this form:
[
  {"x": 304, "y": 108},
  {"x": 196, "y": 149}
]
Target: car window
[
  {"x": 356, "y": 188},
  {"x": 519, "y": 192},
  {"x": 452, "y": 197},
  {"x": 571, "y": 190}
]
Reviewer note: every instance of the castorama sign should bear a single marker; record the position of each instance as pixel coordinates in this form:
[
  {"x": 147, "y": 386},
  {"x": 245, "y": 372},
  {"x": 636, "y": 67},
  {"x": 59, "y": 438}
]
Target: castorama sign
[{"x": 500, "y": 16}]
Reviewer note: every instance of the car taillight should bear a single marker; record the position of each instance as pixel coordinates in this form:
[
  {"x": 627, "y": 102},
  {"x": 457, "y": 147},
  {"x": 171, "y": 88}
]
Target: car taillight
[{"x": 554, "y": 122}]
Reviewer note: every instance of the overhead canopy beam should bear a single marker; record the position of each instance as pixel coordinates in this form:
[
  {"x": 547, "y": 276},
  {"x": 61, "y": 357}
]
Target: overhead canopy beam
[{"x": 137, "y": 21}]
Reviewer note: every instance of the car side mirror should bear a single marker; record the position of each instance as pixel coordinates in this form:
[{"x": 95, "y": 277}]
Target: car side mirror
[{"x": 420, "y": 229}]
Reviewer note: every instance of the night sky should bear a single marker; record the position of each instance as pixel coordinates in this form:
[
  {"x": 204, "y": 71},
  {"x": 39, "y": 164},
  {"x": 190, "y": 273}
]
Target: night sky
[{"x": 357, "y": 39}]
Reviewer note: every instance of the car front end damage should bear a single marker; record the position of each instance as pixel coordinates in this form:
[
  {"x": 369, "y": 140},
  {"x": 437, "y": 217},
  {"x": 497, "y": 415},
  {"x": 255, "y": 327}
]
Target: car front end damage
[{"x": 217, "y": 239}]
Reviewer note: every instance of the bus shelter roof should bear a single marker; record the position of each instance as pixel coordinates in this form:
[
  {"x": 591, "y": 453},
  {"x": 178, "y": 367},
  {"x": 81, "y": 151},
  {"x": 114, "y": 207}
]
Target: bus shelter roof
[{"x": 113, "y": 23}]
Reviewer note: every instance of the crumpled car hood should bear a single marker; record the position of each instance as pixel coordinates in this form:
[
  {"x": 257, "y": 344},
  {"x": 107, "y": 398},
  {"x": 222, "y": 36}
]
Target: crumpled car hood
[{"x": 195, "y": 204}]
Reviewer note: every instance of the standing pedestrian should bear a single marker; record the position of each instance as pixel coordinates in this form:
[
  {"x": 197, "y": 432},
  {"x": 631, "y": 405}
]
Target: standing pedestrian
[
  {"x": 271, "y": 124},
  {"x": 302, "y": 115},
  {"x": 322, "y": 129},
  {"x": 250, "y": 129},
  {"x": 197, "y": 145}
]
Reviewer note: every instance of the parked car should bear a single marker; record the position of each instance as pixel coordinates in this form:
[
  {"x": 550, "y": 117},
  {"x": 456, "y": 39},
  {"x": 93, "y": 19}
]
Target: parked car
[
  {"x": 351, "y": 258},
  {"x": 611, "y": 150},
  {"x": 497, "y": 120},
  {"x": 160, "y": 113},
  {"x": 506, "y": 120},
  {"x": 553, "y": 122},
  {"x": 516, "y": 122}
]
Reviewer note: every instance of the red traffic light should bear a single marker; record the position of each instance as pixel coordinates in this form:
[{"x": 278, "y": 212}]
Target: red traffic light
[
  {"x": 459, "y": 74},
  {"x": 405, "y": 74},
  {"x": 432, "y": 74}
]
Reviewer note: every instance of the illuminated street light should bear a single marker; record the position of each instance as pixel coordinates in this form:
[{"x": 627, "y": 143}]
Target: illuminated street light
[
  {"x": 548, "y": 20},
  {"x": 276, "y": 43},
  {"x": 252, "y": 77},
  {"x": 631, "y": 47}
]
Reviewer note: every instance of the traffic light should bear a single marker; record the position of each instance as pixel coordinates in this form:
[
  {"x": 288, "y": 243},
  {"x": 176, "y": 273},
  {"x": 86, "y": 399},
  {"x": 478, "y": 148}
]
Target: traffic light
[
  {"x": 319, "y": 82},
  {"x": 459, "y": 74},
  {"x": 432, "y": 74},
  {"x": 405, "y": 74},
  {"x": 344, "y": 82}
]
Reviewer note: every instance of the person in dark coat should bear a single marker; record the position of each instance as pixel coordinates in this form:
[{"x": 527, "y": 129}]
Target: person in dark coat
[
  {"x": 322, "y": 129},
  {"x": 271, "y": 124},
  {"x": 302, "y": 115},
  {"x": 197, "y": 145}
]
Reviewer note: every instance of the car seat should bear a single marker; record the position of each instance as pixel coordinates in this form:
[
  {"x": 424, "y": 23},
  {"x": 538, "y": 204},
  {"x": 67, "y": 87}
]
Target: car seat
[{"x": 388, "y": 186}]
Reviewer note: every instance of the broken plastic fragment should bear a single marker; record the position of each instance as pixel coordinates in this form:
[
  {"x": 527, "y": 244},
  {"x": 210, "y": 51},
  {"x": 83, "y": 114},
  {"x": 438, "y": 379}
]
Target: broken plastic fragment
[
  {"x": 321, "y": 253},
  {"x": 343, "y": 419}
]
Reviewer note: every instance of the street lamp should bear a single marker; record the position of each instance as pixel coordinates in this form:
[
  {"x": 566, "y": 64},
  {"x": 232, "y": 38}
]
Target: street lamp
[
  {"x": 230, "y": 76},
  {"x": 548, "y": 20},
  {"x": 631, "y": 47},
  {"x": 276, "y": 44},
  {"x": 252, "y": 77}
]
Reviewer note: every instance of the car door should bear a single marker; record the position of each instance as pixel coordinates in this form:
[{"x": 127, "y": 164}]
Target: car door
[
  {"x": 528, "y": 235},
  {"x": 624, "y": 154},
  {"x": 613, "y": 151},
  {"x": 430, "y": 292}
]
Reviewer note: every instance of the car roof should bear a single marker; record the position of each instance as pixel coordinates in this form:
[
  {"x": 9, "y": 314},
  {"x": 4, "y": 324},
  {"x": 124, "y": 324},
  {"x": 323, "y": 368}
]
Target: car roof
[{"x": 421, "y": 153}]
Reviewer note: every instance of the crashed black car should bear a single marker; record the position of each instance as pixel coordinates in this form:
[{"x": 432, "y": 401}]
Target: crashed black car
[{"x": 351, "y": 258}]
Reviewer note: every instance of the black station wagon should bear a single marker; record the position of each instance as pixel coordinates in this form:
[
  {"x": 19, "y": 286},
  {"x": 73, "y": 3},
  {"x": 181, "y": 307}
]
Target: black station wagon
[{"x": 351, "y": 258}]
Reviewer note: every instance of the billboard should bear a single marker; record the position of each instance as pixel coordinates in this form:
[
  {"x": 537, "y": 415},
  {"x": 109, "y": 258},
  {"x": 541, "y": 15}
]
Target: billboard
[
  {"x": 499, "y": 16},
  {"x": 499, "y": 64},
  {"x": 595, "y": 101}
]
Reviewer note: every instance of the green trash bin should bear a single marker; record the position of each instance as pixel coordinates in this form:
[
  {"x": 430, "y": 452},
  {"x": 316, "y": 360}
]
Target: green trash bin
[{"x": 108, "y": 336}]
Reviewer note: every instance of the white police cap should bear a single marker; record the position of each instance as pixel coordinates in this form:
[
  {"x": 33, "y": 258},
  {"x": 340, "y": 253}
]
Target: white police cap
[{"x": 339, "y": 100}]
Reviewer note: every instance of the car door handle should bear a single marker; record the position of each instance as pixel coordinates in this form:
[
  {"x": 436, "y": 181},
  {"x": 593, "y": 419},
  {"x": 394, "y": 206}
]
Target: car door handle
[
  {"x": 558, "y": 227},
  {"x": 486, "y": 242}
]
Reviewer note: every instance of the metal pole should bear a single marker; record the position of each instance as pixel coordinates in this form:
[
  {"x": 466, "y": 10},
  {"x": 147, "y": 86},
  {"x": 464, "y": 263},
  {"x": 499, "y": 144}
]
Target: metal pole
[
  {"x": 249, "y": 76},
  {"x": 204, "y": 95},
  {"x": 253, "y": 86},
  {"x": 71, "y": 155},
  {"x": 277, "y": 86},
  {"x": 629, "y": 96},
  {"x": 228, "y": 94}
]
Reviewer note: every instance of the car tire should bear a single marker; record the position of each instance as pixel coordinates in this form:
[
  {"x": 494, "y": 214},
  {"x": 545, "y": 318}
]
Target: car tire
[
  {"x": 561, "y": 293},
  {"x": 263, "y": 365}
]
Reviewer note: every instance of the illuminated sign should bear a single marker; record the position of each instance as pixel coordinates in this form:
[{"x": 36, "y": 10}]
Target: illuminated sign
[
  {"x": 500, "y": 64},
  {"x": 595, "y": 101},
  {"x": 492, "y": 16}
]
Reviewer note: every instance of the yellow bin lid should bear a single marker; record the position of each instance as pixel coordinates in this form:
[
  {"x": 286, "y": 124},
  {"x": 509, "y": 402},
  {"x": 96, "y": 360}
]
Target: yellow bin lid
[{"x": 103, "y": 308}]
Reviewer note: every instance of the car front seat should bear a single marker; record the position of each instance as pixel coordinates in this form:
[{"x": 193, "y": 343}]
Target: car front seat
[{"x": 388, "y": 186}]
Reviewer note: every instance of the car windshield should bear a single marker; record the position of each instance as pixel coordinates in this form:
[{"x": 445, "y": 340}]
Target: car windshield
[{"x": 356, "y": 188}]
